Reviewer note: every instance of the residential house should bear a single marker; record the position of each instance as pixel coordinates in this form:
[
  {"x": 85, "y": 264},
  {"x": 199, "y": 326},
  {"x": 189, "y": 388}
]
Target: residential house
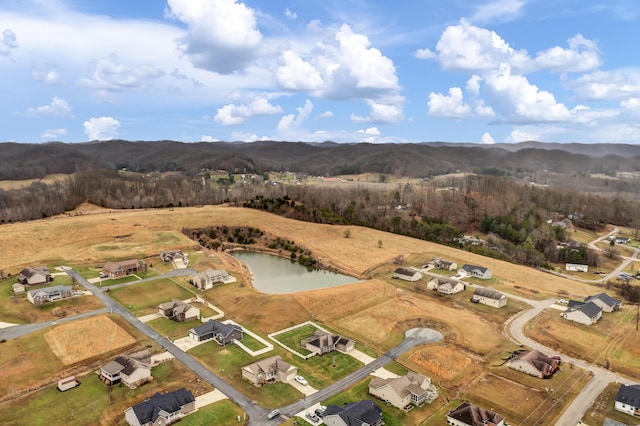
[
  {"x": 628, "y": 400},
  {"x": 176, "y": 257},
  {"x": 205, "y": 280},
  {"x": 49, "y": 294},
  {"x": 132, "y": 370},
  {"x": 583, "y": 313},
  {"x": 18, "y": 288},
  {"x": 574, "y": 267},
  {"x": 35, "y": 276},
  {"x": 619, "y": 240},
  {"x": 67, "y": 383},
  {"x": 445, "y": 285},
  {"x": 323, "y": 342},
  {"x": 475, "y": 271},
  {"x": 534, "y": 363},
  {"x": 405, "y": 390},
  {"x": 269, "y": 370},
  {"x": 605, "y": 302},
  {"x": 223, "y": 333},
  {"x": 122, "y": 268},
  {"x": 407, "y": 274},
  {"x": 178, "y": 310},
  {"x": 489, "y": 297},
  {"x": 161, "y": 410},
  {"x": 444, "y": 264},
  {"x": 361, "y": 413},
  {"x": 467, "y": 414}
]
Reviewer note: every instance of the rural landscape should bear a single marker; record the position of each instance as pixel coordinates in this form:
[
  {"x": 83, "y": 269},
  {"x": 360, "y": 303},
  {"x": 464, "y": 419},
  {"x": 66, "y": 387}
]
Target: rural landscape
[{"x": 473, "y": 291}]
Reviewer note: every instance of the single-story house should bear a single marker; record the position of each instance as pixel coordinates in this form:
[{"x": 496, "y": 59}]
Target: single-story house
[
  {"x": 178, "y": 310},
  {"x": 619, "y": 240},
  {"x": 174, "y": 256},
  {"x": 67, "y": 383},
  {"x": 583, "y": 313},
  {"x": 122, "y": 268},
  {"x": 359, "y": 413},
  {"x": 49, "y": 294},
  {"x": 18, "y": 288},
  {"x": 161, "y": 410},
  {"x": 489, "y": 297},
  {"x": 445, "y": 285},
  {"x": 269, "y": 370},
  {"x": 467, "y": 414},
  {"x": 223, "y": 333},
  {"x": 628, "y": 400},
  {"x": 132, "y": 370},
  {"x": 205, "y": 280},
  {"x": 35, "y": 276},
  {"x": 444, "y": 264},
  {"x": 476, "y": 271},
  {"x": 407, "y": 274},
  {"x": 322, "y": 343},
  {"x": 574, "y": 267},
  {"x": 405, "y": 390},
  {"x": 534, "y": 364},
  {"x": 605, "y": 302}
]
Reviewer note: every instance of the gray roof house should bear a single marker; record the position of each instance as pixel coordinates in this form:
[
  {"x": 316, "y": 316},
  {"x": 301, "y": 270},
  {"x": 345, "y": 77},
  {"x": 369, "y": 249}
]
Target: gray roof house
[
  {"x": 489, "y": 297},
  {"x": 269, "y": 370},
  {"x": 476, "y": 271},
  {"x": 407, "y": 274},
  {"x": 606, "y": 302},
  {"x": 445, "y": 285},
  {"x": 49, "y": 294},
  {"x": 178, "y": 310},
  {"x": 132, "y": 370},
  {"x": 323, "y": 342},
  {"x": 534, "y": 364},
  {"x": 361, "y": 413},
  {"x": 583, "y": 313},
  {"x": 205, "y": 280},
  {"x": 35, "y": 276},
  {"x": 628, "y": 400},
  {"x": 161, "y": 409},
  {"x": 467, "y": 414},
  {"x": 223, "y": 333}
]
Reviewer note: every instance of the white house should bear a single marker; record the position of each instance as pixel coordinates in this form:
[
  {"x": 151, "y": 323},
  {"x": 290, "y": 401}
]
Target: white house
[
  {"x": 403, "y": 391},
  {"x": 407, "y": 274},
  {"x": 605, "y": 302},
  {"x": 445, "y": 285},
  {"x": 574, "y": 267},
  {"x": 628, "y": 400},
  {"x": 583, "y": 313},
  {"x": 49, "y": 294},
  {"x": 475, "y": 271},
  {"x": 205, "y": 280},
  {"x": 489, "y": 297}
]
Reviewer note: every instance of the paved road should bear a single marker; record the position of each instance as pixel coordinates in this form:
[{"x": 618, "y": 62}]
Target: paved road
[
  {"x": 20, "y": 330},
  {"x": 170, "y": 274}
]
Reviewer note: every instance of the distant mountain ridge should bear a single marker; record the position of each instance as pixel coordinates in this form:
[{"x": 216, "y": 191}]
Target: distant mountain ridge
[{"x": 28, "y": 161}]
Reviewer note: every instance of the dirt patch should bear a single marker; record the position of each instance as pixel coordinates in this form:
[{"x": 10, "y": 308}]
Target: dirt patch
[
  {"x": 87, "y": 338},
  {"x": 442, "y": 363}
]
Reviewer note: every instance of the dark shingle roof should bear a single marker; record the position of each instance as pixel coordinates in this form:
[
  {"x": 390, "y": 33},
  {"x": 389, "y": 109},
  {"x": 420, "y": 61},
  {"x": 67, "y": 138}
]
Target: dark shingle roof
[
  {"x": 405, "y": 271},
  {"x": 470, "y": 268},
  {"x": 590, "y": 309},
  {"x": 629, "y": 394},
  {"x": 608, "y": 300},
  {"x": 148, "y": 411},
  {"x": 488, "y": 292},
  {"x": 216, "y": 327},
  {"x": 473, "y": 415},
  {"x": 356, "y": 413}
]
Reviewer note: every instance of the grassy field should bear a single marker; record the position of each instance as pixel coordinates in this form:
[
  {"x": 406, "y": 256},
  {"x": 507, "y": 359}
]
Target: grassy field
[
  {"x": 293, "y": 338},
  {"x": 173, "y": 329},
  {"x": 252, "y": 343},
  {"x": 222, "y": 412},
  {"x": 603, "y": 407},
  {"x": 144, "y": 298},
  {"x": 614, "y": 337},
  {"x": 93, "y": 402}
]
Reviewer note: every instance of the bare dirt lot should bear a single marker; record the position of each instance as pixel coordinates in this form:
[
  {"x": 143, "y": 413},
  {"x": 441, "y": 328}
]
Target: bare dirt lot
[{"x": 87, "y": 338}]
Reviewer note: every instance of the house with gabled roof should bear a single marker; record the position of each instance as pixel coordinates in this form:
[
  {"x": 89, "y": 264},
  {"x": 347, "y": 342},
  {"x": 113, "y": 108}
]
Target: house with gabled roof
[
  {"x": 583, "y": 313},
  {"x": 445, "y": 285},
  {"x": 132, "y": 370},
  {"x": 49, "y": 294},
  {"x": 575, "y": 267},
  {"x": 212, "y": 329},
  {"x": 35, "y": 276},
  {"x": 605, "y": 302},
  {"x": 361, "y": 413},
  {"x": 534, "y": 364},
  {"x": 176, "y": 257},
  {"x": 440, "y": 263},
  {"x": 407, "y": 274},
  {"x": 122, "y": 268},
  {"x": 323, "y": 342},
  {"x": 489, "y": 297},
  {"x": 178, "y": 310},
  {"x": 161, "y": 409},
  {"x": 404, "y": 391},
  {"x": 467, "y": 414},
  {"x": 206, "y": 279},
  {"x": 269, "y": 370},
  {"x": 475, "y": 271},
  {"x": 628, "y": 400}
]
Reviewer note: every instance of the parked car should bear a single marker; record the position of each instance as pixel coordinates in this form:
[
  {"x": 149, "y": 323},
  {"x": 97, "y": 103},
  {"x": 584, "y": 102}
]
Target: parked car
[
  {"x": 301, "y": 380},
  {"x": 320, "y": 411},
  {"x": 312, "y": 417},
  {"x": 563, "y": 301},
  {"x": 273, "y": 414}
]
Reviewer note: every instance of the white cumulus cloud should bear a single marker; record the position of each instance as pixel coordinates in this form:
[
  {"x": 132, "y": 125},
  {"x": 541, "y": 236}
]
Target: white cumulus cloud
[
  {"x": 296, "y": 74},
  {"x": 232, "y": 114},
  {"x": 609, "y": 85},
  {"x": 487, "y": 139},
  {"x": 51, "y": 134},
  {"x": 208, "y": 138},
  {"x": 498, "y": 10},
  {"x": 521, "y": 136},
  {"x": 101, "y": 128},
  {"x": 110, "y": 75},
  {"x": 58, "y": 106},
  {"x": 48, "y": 75},
  {"x": 582, "y": 55},
  {"x": 325, "y": 114},
  {"x": 389, "y": 111},
  {"x": 290, "y": 14},
  {"x": 293, "y": 121}
]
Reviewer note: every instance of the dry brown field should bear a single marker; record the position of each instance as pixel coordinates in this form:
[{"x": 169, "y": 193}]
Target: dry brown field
[
  {"x": 87, "y": 338},
  {"x": 614, "y": 337},
  {"x": 9, "y": 185}
]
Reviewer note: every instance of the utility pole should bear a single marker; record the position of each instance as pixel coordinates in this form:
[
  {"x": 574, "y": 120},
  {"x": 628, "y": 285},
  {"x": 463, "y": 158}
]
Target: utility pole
[{"x": 637, "y": 315}]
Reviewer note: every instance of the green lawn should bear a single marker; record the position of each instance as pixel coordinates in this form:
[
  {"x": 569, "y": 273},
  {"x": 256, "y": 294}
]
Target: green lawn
[
  {"x": 292, "y": 338},
  {"x": 144, "y": 298},
  {"x": 251, "y": 343},
  {"x": 173, "y": 329},
  {"x": 396, "y": 368},
  {"x": 321, "y": 371},
  {"x": 366, "y": 350},
  {"x": 222, "y": 412}
]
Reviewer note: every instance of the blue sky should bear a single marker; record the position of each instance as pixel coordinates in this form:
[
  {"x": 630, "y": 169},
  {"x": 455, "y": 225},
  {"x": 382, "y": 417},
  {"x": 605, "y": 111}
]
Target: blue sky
[{"x": 347, "y": 71}]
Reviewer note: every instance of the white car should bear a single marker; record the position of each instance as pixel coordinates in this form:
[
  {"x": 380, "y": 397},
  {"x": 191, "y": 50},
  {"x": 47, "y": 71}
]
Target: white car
[
  {"x": 301, "y": 380},
  {"x": 563, "y": 301}
]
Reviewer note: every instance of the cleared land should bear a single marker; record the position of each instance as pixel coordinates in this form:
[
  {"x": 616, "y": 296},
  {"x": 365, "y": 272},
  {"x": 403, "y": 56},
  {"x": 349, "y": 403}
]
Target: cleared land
[
  {"x": 144, "y": 298},
  {"x": 87, "y": 338},
  {"x": 603, "y": 407}
]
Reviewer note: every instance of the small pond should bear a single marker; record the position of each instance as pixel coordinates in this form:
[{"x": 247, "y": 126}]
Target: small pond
[{"x": 276, "y": 275}]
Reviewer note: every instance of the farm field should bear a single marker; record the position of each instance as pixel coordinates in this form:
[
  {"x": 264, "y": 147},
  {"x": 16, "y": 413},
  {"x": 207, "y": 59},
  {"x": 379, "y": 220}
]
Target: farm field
[
  {"x": 613, "y": 338},
  {"x": 144, "y": 298}
]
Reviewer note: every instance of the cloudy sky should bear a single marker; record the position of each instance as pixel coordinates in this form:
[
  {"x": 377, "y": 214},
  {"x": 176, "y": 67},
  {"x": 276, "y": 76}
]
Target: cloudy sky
[{"x": 481, "y": 71}]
